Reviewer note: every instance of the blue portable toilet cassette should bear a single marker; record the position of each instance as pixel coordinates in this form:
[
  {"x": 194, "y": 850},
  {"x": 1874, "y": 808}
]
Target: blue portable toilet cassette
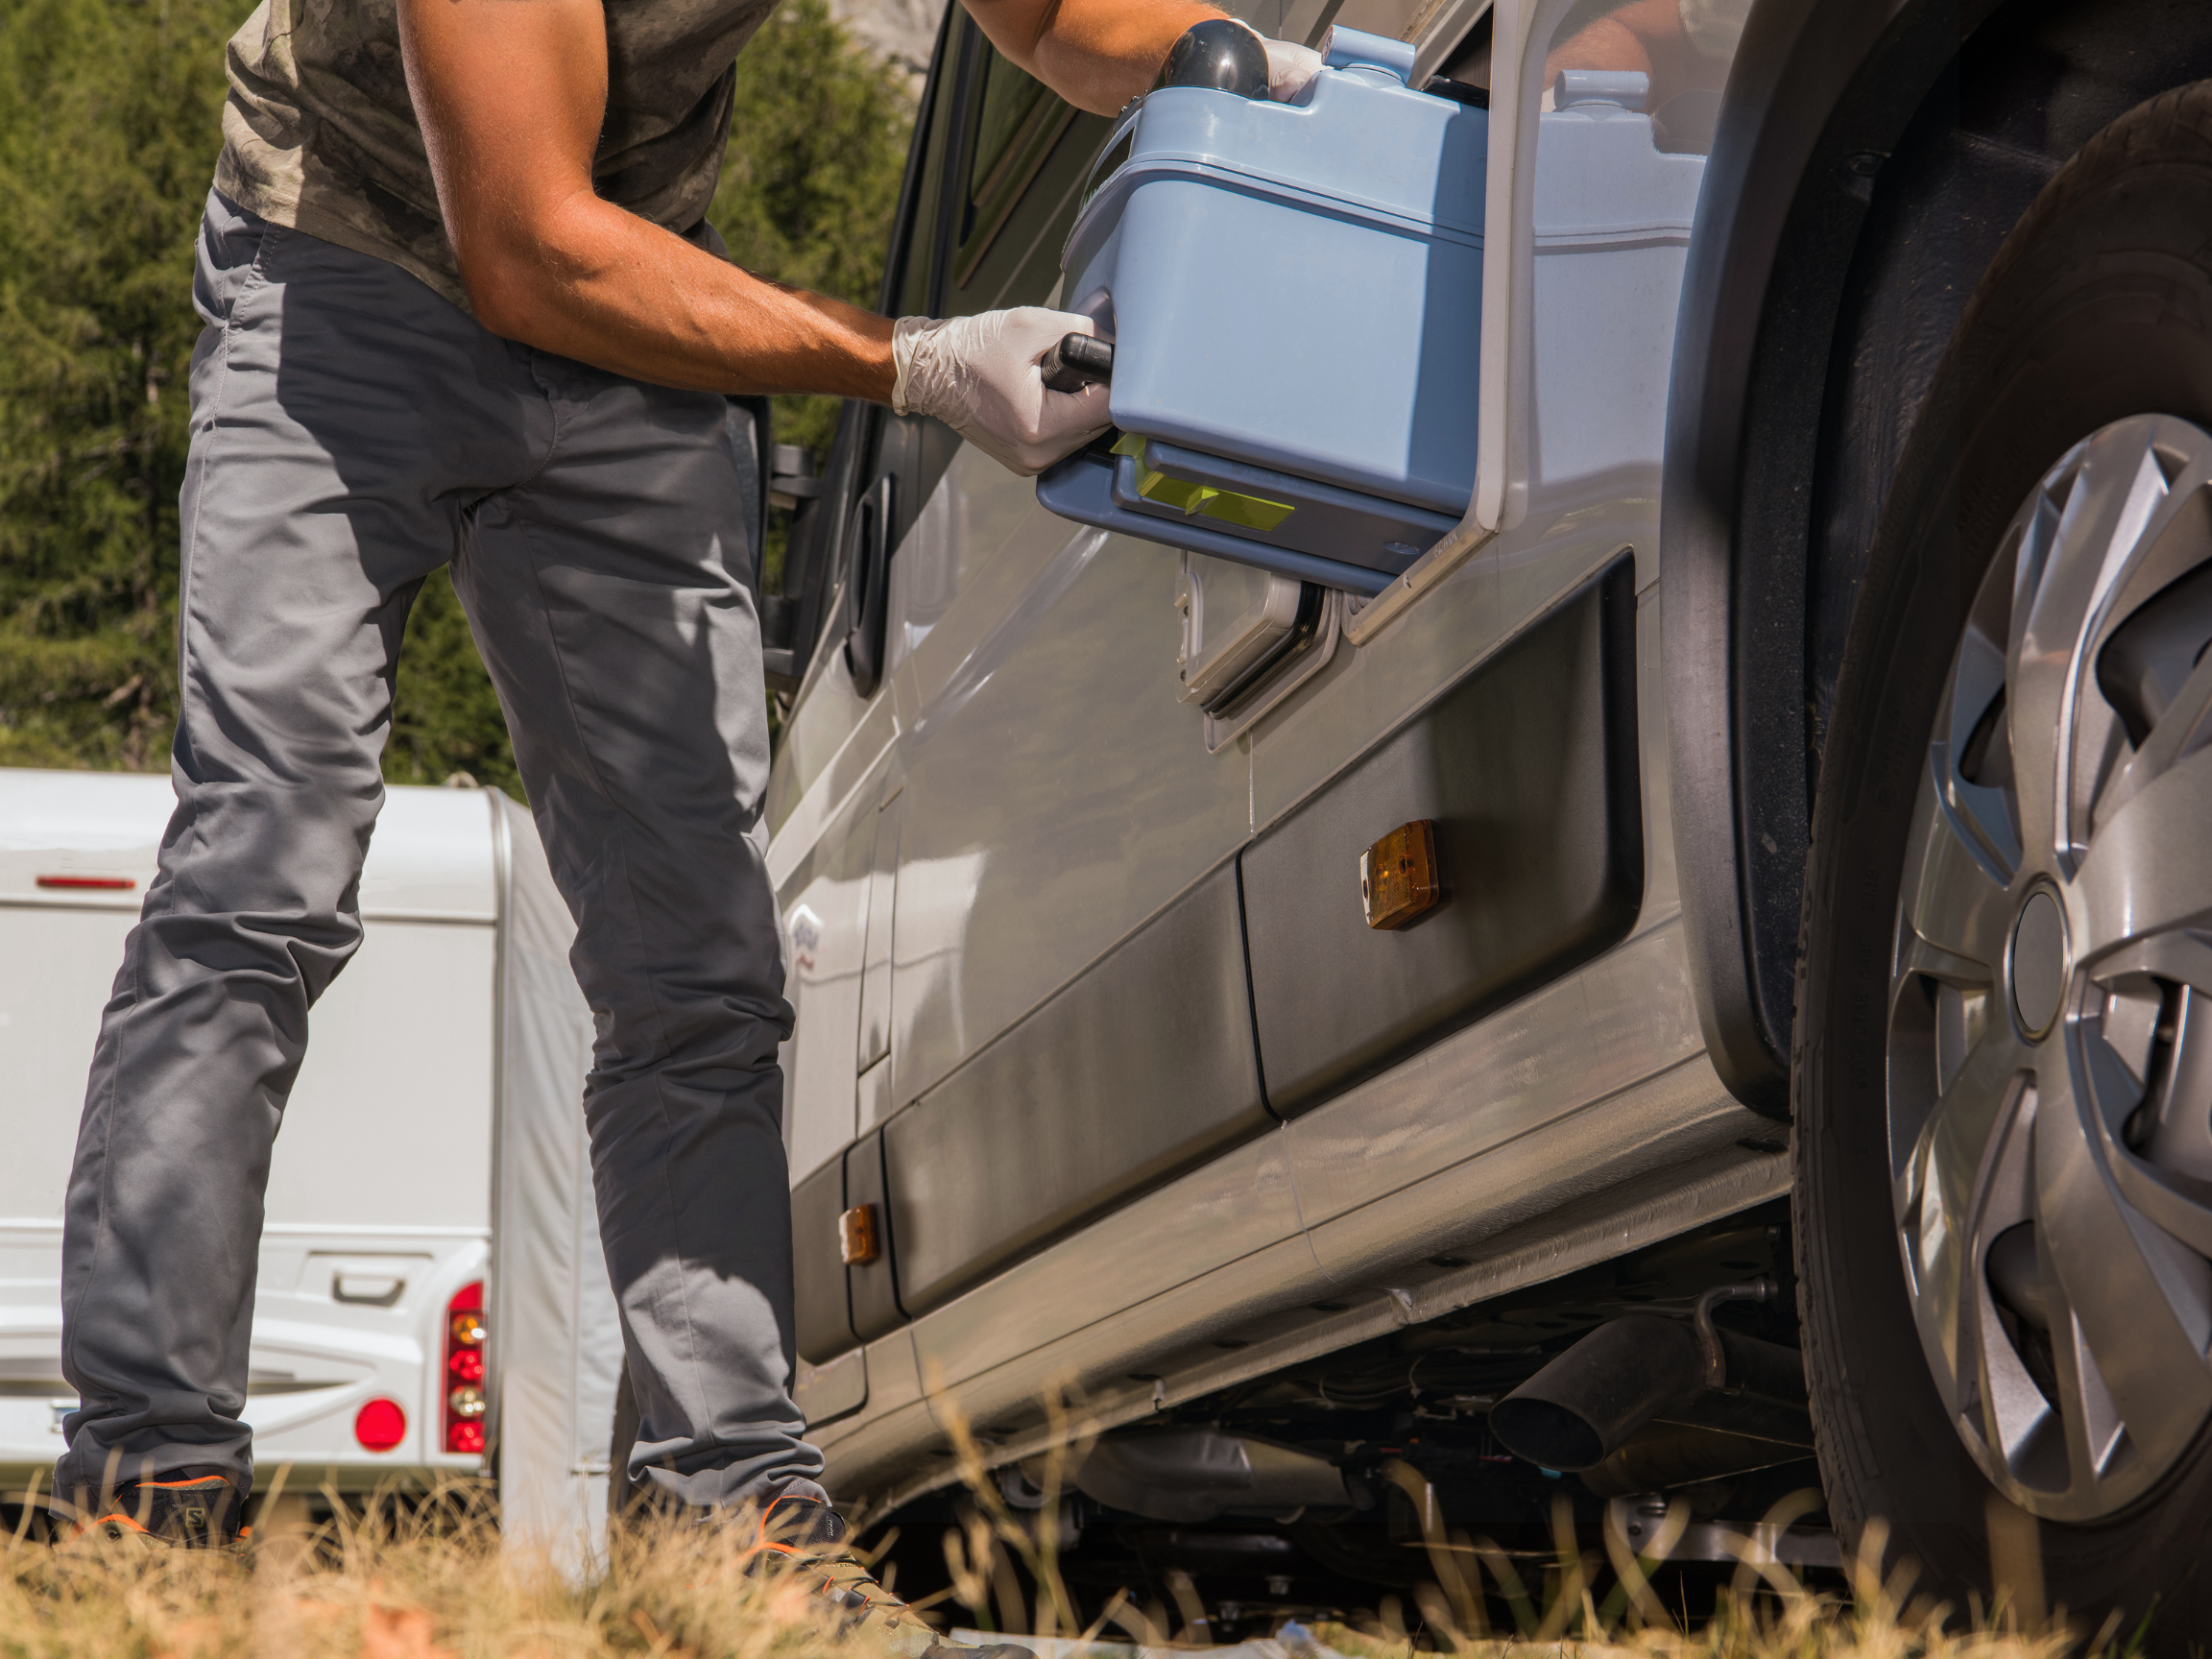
[{"x": 1293, "y": 297}]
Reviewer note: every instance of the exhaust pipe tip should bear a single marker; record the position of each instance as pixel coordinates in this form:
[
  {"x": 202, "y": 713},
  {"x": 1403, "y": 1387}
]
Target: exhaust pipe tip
[
  {"x": 1581, "y": 1408},
  {"x": 1571, "y": 1414},
  {"x": 1548, "y": 1434}
]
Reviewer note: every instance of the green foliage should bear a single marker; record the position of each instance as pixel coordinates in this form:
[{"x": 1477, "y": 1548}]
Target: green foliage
[
  {"x": 109, "y": 124},
  {"x": 810, "y": 179},
  {"x": 445, "y": 717},
  {"x": 108, "y": 139}
]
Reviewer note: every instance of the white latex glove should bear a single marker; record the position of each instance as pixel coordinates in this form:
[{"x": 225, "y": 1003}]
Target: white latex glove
[
  {"x": 1288, "y": 67},
  {"x": 979, "y": 376}
]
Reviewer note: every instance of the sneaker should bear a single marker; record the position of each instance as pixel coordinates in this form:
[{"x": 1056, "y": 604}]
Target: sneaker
[
  {"x": 800, "y": 1536},
  {"x": 196, "y": 1511}
]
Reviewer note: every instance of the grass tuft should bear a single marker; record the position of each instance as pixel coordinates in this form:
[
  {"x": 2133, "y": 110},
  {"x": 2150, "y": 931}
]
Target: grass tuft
[
  {"x": 436, "y": 1579},
  {"x": 410, "y": 1581}
]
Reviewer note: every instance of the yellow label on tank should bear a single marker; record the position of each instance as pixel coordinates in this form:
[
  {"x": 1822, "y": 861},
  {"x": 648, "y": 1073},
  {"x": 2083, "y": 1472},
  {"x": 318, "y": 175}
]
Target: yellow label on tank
[{"x": 1248, "y": 512}]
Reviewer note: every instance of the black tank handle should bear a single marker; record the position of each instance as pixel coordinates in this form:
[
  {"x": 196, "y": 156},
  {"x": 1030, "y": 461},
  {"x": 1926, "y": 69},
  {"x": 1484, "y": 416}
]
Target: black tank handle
[{"x": 1078, "y": 361}]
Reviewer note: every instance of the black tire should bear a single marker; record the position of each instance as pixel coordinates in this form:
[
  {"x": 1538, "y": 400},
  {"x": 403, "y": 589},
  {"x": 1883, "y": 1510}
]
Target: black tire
[{"x": 2098, "y": 308}]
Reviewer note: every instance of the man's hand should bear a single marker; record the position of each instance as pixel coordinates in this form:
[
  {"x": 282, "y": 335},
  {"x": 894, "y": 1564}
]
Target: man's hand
[
  {"x": 510, "y": 98},
  {"x": 1289, "y": 66},
  {"x": 981, "y": 376}
]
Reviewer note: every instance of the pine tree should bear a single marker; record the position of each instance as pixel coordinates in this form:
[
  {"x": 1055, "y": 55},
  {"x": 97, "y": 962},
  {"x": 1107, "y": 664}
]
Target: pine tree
[
  {"x": 110, "y": 123},
  {"x": 107, "y": 140},
  {"x": 810, "y": 183}
]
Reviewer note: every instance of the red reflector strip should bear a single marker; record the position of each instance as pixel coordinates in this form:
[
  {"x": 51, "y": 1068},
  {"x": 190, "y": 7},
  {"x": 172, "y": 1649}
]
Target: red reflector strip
[{"x": 100, "y": 883}]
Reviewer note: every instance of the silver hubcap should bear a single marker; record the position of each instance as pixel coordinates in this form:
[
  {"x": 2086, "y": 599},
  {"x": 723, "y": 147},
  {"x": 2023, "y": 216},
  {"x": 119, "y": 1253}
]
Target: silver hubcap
[{"x": 2050, "y": 1053}]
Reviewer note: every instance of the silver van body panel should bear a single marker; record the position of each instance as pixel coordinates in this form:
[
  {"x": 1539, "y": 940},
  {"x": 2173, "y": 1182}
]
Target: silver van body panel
[
  {"x": 1534, "y": 1169},
  {"x": 1058, "y": 795}
]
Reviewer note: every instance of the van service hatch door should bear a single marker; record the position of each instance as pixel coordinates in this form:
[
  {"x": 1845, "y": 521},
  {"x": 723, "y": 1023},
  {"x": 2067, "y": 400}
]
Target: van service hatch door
[{"x": 1527, "y": 769}]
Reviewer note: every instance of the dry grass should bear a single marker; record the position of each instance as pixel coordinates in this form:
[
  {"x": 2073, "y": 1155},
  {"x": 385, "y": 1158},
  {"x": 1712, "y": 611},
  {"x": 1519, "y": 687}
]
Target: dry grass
[
  {"x": 395, "y": 1587},
  {"x": 1587, "y": 1606},
  {"x": 1767, "y": 1614},
  {"x": 1810, "y": 1633},
  {"x": 1594, "y": 1605},
  {"x": 437, "y": 1582}
]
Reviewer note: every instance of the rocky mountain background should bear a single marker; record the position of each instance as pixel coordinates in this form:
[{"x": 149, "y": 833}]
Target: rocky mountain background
[{"x": 901, "y": 32}]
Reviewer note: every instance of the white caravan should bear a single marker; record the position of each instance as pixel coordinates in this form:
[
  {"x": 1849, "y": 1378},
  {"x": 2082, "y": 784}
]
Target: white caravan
[{"x": 437, "y": 1112}]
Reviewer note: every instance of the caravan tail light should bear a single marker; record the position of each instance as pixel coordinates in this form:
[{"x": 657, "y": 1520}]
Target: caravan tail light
[
  {"x": 380, "y": 1424},
  {"x": 463, "y": 1378}
]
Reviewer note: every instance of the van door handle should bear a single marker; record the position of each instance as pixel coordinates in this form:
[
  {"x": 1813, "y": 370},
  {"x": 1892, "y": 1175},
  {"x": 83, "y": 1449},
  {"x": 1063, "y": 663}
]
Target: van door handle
[{"x": 871, "y": 579}]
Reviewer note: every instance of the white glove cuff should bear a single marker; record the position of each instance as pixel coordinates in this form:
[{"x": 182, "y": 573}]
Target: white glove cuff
[{"x": 907, "y": 335}]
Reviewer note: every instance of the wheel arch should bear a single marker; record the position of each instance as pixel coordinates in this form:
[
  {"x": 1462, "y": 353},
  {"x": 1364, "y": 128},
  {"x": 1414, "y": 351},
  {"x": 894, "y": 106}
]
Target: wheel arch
[{"x": 1869, "y": 161}]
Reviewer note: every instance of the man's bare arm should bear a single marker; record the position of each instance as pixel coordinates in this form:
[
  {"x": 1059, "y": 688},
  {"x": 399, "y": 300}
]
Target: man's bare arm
[
  {"x": 510, "y": 94},
  {"x": 1096, "y": 54}
]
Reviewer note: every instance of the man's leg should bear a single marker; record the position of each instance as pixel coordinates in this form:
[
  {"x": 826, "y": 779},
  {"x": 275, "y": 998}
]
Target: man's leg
[
  {"x": 607, "y": 596},
  {"x": 333, "y": 399}
]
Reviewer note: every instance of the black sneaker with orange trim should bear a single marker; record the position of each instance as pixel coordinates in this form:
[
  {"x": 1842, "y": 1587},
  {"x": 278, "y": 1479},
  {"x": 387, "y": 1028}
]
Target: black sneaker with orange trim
[
  {"x": 800, "y": 1536},
  {"x": 196, "y": 1510}
]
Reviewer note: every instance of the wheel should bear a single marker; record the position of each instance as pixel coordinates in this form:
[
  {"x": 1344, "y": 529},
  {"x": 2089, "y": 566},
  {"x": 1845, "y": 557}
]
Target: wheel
[{"x": 2003, "y": 1076}]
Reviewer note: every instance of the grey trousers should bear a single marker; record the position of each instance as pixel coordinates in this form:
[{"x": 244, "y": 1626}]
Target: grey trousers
[{"x": 352, "y": 431}]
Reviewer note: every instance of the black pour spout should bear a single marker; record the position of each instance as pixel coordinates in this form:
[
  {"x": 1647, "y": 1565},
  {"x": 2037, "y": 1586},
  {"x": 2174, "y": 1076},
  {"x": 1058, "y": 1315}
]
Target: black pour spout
[
  {"x": 1220, "y": 54},
  {"x": 1076, "y": 362}
]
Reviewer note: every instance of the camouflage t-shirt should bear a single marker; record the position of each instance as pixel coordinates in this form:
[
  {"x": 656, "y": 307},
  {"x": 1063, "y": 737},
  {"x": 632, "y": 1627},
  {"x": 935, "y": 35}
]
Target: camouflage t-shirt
[{"x": 319, "y": 133}]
